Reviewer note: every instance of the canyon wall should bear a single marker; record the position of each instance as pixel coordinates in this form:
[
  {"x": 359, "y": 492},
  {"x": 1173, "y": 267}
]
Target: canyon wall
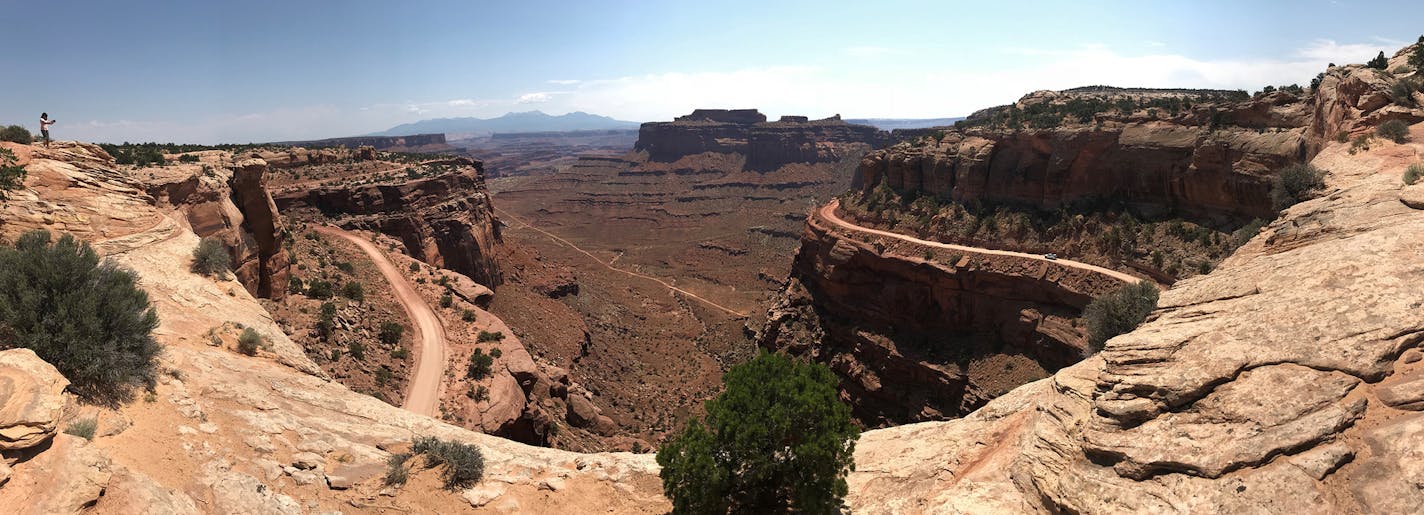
[
  {"x": 766, "y": 145},
  {"x": 446, "y": 220},
  {"x": 920, "y": 335},
  {"x": 416, "y": 141}
]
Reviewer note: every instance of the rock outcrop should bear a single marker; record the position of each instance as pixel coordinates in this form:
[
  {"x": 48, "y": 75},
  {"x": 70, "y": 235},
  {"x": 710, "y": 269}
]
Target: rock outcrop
[
  {"x": 446, "y": 220},
  {"x": 911, "y": 333},
  {"x": 766, "y": 145},
  {"x": 231, "y": 203},
  {"x": 31, "y": 399}
]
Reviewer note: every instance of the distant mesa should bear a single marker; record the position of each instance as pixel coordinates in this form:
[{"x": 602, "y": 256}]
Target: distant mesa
[
  {"x": 766, "y": 145},
  {"x": 412, "y": 143}
]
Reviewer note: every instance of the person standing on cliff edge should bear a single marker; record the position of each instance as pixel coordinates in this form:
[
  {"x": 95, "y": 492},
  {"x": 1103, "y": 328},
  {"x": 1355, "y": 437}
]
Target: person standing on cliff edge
[{"x": 45, "y": 122}]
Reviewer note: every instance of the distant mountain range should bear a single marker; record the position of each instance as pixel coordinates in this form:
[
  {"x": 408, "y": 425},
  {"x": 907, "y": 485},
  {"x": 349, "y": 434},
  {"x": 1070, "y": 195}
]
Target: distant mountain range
[
  {"x": 531, "y": 121},
  {"x": 890, "y": 124}
]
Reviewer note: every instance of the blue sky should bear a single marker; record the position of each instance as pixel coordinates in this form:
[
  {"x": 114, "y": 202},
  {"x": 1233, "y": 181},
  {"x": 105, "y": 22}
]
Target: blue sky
[{"x": 261, "y": 71}]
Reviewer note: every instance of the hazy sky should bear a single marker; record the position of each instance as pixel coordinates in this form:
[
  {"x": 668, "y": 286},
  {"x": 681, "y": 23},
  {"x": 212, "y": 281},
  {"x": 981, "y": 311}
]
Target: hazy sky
[{"x": 200, "y": 71}]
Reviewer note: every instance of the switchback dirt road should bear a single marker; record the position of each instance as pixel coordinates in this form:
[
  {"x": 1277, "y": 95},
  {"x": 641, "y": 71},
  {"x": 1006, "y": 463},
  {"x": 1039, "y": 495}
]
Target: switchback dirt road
[
  {"x": 828, "y": 212},
  {"x": 423, "y": 394}
]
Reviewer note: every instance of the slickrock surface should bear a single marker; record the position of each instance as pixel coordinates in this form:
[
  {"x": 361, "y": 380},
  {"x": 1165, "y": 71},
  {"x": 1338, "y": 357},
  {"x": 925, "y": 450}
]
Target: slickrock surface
[
  {"x": 1279, "y": 382},
  {"x": 31, "y": 399}
]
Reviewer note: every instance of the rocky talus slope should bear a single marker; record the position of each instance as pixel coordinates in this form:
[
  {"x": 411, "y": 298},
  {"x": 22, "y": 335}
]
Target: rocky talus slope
[
  {"x": 227, "y": 433},
  {"x": 445, "y": 220}
]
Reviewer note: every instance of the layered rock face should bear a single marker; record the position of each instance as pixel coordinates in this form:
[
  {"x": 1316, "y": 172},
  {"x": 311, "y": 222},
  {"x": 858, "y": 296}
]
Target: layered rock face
[
  {"x": 767, "y": 146},
  {"x": 231, "y": 204},
  {"x": 917, "y": 338},
  {"x": 446, "y": 220},
  {"x": 1155, "y": 165}
]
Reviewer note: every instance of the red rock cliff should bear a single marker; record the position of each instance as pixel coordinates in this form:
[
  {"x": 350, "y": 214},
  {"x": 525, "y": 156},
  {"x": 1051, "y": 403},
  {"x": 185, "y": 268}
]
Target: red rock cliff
[{"x": 767, "y": 145}]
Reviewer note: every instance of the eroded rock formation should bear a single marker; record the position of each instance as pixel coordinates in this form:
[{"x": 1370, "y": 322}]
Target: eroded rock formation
[
  {"x": 230, "y": 203},
  {"x": 445, "y": 220}
]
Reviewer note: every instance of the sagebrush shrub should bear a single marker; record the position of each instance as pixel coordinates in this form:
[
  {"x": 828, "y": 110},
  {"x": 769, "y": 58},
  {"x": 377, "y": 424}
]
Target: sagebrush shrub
[
  {"x": 83, "y": 428},
  {"x": 1414, "y": 173},
  {"x": 1118, "y": 312},
  {"x": 391, "y": 333},
  {"x": 211, "y": 258},
  {"x": 249, "y": 341},
  {"x": 86, "y": 317},
  {"x": 1295, "y": 183},
  {"x": 480, "y": 365},
  {"x": 1393, "y": 130},
  {"x": 16, "y": 134},
  {"x": 462, "y": 465},
  {"x": 11, "y": 176}
]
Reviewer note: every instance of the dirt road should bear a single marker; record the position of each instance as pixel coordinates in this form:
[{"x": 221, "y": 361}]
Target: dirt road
[
  {"x": 828, "y": 212},
  {"x": 423, "y": 393}
]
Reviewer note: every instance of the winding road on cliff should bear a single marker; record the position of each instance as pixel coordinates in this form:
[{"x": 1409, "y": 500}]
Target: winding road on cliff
[
  {"x": 609, "y": 266},
  {"x": 828, "y": 212},
  {"x": 423, "y": 394}
]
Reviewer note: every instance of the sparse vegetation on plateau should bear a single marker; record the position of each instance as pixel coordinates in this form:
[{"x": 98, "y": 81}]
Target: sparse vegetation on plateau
[
  {"x": 1296, "y": 183},
  {"x": 11, "y": 175},
  {"x": 391, "y": 332},
  {"x": 1414, "y": 173},
  {"x": 83, "y": 428},
  {"x": 1393, "y": 130},
  {"x": 778, "y": 439},
  {"x": 1118, "y": 312},
  {"x": 86, "y": 317},
  {"x": 249, "y": 341},
  {"x": 210, "y": 258},
  {"x": 1380, "y": 62},
  {"x": 462, "y": 465},
  {"x": 16, "y": 134},
  {"x": 480, "y": 365}
]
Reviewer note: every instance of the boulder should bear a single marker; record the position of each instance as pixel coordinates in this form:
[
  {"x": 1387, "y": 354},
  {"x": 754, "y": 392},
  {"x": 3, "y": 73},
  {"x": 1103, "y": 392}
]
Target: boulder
[
  {"x": 346, "y": 476},
  {"x": 307, "y": 460},
  {"x": 32, "y": 392},
  {"x": 64, "y": 478}
]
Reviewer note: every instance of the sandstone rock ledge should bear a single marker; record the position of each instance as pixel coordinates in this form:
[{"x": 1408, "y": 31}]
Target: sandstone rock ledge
[{"x": 1286, "y": 381}]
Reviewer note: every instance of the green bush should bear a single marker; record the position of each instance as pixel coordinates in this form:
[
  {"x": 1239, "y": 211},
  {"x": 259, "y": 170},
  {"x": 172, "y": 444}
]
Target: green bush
[
  {"x": 319, "y": 289},
  {"x": 326, "y": 322},
  {"x": 480, "y": 365},
  {"x": 486, "y": 336},
  {"x": 446, "y": 301},
  {"x": 1393, "y": 130},
  {"x": 778, "y": 439},
  {"x": 211, "y": 258},
  {"x": 496, "y": 353},
  {"x": 88, "y": 319},
  {"x": 1118, "y": 312},
  {"x": 1379, "y": 62},
  {"x": 188, "y": 158},
  {"x": 396, "y": 473},
  {"x": 461, "y": 464},
  {"x": 16, "y": 134},
  {"x": 391, "y": 332},
  {"x": 1295, "y": 183},
  {"x": 1414, "y": 173},
  {"x": 1416, "y": 58},
  {"x": 1402, "y": 91},
  {"x": 354, "y": 291},
  {"x": 346, "y": 266},
  {"x": 249, "y": 341},
  {"x": 11, "y": 176},
  {"x": 294, "y": 284},
  {"x": 468, "y": 315},
  {"x": 414, "y": 267},
  {"x": 83, "y": 428},
  {"x": 356, "y": 349}
]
